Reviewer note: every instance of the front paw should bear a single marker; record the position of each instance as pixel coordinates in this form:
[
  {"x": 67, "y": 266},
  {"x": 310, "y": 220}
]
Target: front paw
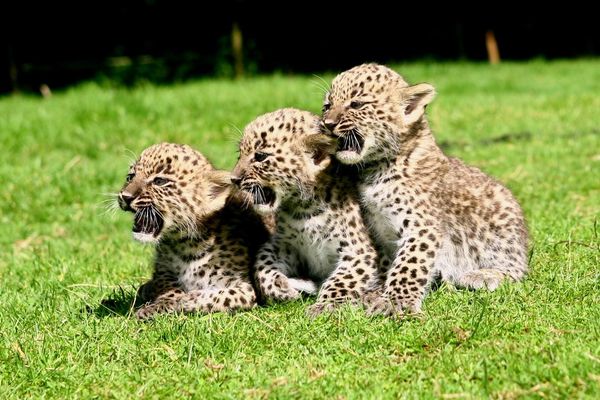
[
  {"x": 147, "y": 312},
  {"x": 372, "y": 296},
  {"x": 321, "y": 307},
  {"x": 282, "y": 294},
  {"x": 381, "y": 305},
  {"x": 488, "y": 279},
  {"x": 392, "y": 305},
  {"x": 280, "y": 290}
]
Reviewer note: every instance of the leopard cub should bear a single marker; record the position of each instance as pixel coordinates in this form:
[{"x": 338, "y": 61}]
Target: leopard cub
[
  {"x": 431, "y": 214},
  {"x": 205, "y": 241},
  {"x": 285, "y": 168}
]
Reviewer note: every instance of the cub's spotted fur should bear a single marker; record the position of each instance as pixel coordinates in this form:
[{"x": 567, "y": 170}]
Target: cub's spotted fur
[
  {"x": 432, "y": 215},
  {"x": 205, "y": 246},
  {"x": 285, "y": 166}
]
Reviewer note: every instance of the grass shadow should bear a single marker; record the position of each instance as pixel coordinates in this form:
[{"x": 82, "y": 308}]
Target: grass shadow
[
  {"x": 120, "y": 302},
  {"x": 511, "y": 137}
]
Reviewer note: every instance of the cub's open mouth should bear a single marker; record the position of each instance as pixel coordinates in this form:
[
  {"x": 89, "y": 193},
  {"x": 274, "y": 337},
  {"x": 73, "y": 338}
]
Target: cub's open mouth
[
  {"x": 262, "y": 195},
  {"x": 351, "y": 141},
  {"x": 148, "y": 221}
]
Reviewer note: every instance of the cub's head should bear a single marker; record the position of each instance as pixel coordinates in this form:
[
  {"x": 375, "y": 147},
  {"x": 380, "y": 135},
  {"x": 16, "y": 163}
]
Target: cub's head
[
  {"x": 170, "y": 189},
  {"x": 369, "y": 108},
  {"x": 281, "y": 155}
]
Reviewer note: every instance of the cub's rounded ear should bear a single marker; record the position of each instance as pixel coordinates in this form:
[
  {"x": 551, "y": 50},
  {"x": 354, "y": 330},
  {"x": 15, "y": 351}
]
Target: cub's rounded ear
[
  {"x": 219, "y": 184},
  {"x": 414, "y": 100},
  {"x": 320, "y": 146}
]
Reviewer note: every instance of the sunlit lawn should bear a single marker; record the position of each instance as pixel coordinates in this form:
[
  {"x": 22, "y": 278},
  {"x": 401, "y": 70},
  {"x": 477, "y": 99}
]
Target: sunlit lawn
[{"x": 535, "y": 126}]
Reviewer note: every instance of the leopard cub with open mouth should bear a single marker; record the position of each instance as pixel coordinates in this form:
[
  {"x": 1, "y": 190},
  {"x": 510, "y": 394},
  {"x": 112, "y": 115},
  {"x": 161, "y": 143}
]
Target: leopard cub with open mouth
[
  {"x": 286, "y": 168},
  {"x": 205, "y": 241}
]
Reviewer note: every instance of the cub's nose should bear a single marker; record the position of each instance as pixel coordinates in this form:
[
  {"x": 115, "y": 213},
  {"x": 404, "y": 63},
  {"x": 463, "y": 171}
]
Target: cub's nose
[
  {"x": 330, "y": 124},
  {"x": 236, "y": 180},
  {"x": 125, "y": 200}
]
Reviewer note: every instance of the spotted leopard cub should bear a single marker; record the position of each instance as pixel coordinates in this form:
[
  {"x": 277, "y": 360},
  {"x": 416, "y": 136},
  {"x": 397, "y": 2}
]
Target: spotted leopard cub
[
  {"x": 205, "y": 245},
  {"x": 285, "y": 167},
  {"x": 433, "y": 215}
]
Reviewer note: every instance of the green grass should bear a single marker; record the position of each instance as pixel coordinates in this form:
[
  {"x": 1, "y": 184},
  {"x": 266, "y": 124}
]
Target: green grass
[{"x": 535, "y": 126}]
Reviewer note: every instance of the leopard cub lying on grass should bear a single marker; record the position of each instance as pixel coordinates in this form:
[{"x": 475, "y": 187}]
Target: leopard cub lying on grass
[
  {"x": 285, "y": 167},
  {"x": 205, "y": 241}
]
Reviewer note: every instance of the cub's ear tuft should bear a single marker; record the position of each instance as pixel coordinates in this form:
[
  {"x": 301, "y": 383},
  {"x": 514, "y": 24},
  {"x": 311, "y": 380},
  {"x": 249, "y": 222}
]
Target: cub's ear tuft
[
  {"x": 414, "y": 100},
  {"x": 320, "y": 146}
]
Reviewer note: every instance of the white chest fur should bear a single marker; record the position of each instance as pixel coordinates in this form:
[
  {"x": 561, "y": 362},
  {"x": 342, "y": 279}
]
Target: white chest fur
[
  {"x": 386, "y": 212},
  {"x": 315, "y": 243}
]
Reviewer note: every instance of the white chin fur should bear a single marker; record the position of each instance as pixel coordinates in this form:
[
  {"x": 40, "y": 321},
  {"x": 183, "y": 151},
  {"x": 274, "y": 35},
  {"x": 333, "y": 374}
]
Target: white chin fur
[
  {"x": 264, "y": 209},
  {"x": 145, "y": 237},
  {"x": 348, "y": 157}
]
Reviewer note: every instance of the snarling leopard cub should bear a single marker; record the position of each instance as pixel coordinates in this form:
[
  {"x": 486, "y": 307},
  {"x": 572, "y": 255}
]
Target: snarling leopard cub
[
  {"x": 285, "y": 167},
  {"x": 433, "y": 215},
  {"x": 205, "y": 241}
]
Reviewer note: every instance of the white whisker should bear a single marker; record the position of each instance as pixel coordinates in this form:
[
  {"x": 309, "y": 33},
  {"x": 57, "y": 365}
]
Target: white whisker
[
  {"x": 131, "y": 156},
  {"x": 324, "y": 83},
  {"x": 238, "y": 130}
]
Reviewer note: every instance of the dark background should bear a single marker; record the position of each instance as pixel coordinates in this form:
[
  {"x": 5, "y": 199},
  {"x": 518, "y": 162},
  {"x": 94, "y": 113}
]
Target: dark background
[{"x": 61, "y": 43}]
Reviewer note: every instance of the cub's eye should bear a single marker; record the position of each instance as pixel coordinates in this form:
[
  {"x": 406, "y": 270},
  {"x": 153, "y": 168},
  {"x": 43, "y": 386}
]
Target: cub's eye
[
  {"x": 158, "y": 181},
  {"x": 356, "y": 104},
  {"x": 259, "y": 156},
  {"x": 326, "y": 106},
  {"x": 129, "y": 177}
]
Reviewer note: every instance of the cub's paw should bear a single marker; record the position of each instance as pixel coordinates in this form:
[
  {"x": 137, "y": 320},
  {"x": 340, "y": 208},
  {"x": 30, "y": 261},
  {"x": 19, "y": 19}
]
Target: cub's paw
[
  {"x": 279, "y": 289},
  {"x": 381, "y": 305},
  {"x": 147, "y": 312},
  {"x": 371, "y": 296},
  {"x": 281, "y": 294},
  {"x": 321, "y": 307},
  {"x": 485, "y": 278},
  {"x": 391, "y": 305}
]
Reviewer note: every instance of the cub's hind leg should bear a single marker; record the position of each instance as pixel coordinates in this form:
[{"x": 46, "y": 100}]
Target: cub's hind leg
[
  {"x": 471, "y": 265},
  {"x": 237, "y": 297}
]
